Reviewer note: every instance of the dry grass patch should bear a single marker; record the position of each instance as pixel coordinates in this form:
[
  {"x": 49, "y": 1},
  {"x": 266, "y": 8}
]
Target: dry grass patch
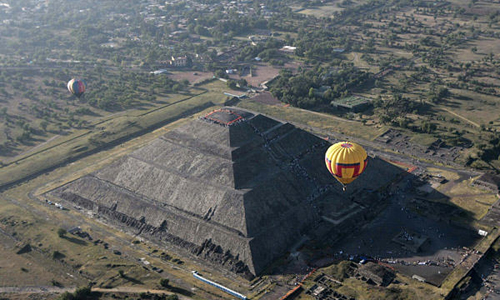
[
  {"x": 466, "y": 188},
  {"x": 478, "y": 108},
  {"x": 478, "y": 205},
  {"x": 449, "y": 175},
  {"x": 322, "y": 11}
]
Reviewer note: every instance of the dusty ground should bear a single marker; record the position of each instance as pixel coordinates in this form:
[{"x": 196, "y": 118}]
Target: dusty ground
[
  {"x": 267, "y": 98},
  {"x": 264, "y": 72}
]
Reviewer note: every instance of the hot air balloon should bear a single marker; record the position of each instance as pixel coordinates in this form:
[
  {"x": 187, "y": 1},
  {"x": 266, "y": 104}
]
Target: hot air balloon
[
  {"x": 346, "y": 161},
  {"x": 76, "y": 87}
]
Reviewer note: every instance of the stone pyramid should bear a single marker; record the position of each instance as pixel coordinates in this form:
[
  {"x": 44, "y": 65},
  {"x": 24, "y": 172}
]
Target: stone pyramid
[{"x": 233, "y": 187}]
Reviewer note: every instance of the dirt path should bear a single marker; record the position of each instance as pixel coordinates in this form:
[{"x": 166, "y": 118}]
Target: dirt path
[
  {"x": 56, "y": 290},
  {"x": 457, "y": 115},
  {"x": 34, "y": 289}
]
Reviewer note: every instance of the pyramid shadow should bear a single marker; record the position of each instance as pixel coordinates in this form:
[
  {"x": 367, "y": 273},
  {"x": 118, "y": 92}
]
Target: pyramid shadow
[{"x": 415, "y": 232}]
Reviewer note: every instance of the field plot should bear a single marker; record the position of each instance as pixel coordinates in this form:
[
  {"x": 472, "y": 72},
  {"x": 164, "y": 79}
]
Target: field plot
[
  {"x": 484, "y": 46},
  {"x": 478, "y": 108},
  {"x": 192, "y": 76},
  {"x": 31, "y": 269},
  {"x": 476, "y": 205},
  {"x": 266, "y": 98},
  {"x": 355, "y": 57},
  {"x": 29, "y": 262},
  {"x": 322, "y": 11}
]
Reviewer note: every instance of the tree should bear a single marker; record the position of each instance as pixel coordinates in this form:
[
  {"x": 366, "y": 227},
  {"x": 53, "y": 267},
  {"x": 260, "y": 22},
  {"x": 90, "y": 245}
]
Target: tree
[
  {"x": 311, "y": 93},
  {"x": 121, "y": 273},
  {"x": 152, "y": 56},
  {"x": 82, "y": 292},
  {"x": 221, "y": 74},
  {"x": 242, "y": 82},
  {"x": 44, "y": 124},
  {"x": 164, "y": 282},
  {"x": 428, "y": 127},
  {"x": 231, "y": 84},
  {"x": 201, "y": 30},
  {"x": 57, "y": 255},
  {"x": 61, "y": 232}
]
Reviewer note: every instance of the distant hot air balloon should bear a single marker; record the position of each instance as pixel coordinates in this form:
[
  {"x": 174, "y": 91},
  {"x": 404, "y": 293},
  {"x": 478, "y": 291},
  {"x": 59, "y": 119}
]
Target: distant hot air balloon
[
  {"x": 76, "y": 87},
  {"x": 346, "y": 161}
]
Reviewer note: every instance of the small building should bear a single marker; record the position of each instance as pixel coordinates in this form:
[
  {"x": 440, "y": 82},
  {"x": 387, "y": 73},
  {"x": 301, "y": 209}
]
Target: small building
[
  {"x": 231, "y": 71},
  {"x": 482, "y": 232},
  {"x": 352, "y": 103},
  {"x": 180, "y": 61},
  {"x": 288, "y": 49},
  {"x": 160, "y": 71}
]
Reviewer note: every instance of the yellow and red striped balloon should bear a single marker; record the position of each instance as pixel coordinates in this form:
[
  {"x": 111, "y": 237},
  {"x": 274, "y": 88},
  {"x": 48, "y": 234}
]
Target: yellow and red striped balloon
[{"x": 346, "y": 161}]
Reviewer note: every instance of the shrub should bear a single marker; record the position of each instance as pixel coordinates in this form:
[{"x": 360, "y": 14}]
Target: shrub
[{"x": 164, "y": 282}]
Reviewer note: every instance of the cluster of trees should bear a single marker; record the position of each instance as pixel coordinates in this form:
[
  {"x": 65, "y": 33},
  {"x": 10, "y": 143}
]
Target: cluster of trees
[
  {"x": 319, "y": 86},
  {"x": 490, "y": 150},
  {"x": 395, "y": 110},
  {"x": 436, "y": 94},
  {"x": 267, "y": 51},
  {"x": 81, "y": 293},
  {"x": 317, "y": 44},
  {"x": 126, "y": 90}
]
